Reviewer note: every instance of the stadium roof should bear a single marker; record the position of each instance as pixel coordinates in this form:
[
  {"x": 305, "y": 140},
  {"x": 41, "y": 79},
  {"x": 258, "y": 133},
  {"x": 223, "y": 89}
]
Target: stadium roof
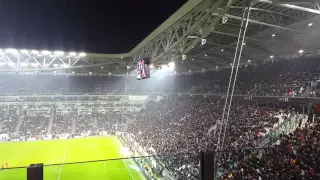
[{"x": 276, "y": 29}]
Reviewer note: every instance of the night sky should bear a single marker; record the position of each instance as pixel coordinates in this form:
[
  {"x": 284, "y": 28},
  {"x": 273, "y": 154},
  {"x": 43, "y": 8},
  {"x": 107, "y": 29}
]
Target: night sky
[{"x": 100, "y": 26}]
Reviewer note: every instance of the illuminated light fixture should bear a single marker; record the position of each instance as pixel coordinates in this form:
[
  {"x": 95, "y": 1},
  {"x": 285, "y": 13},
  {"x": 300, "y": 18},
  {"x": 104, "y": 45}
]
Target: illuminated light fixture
[
  {"x": 12, "y": 64},
  {"x": 66, "y": 65},
  {"x": 192, "y": 59},
  {"x": 271, "y": 56},
  {"x": 72, "y": 72},
  {"x": 121, "y": 57},
  {"x": 249, "y": 60},
  {"x": 82, "y": 54},
  {"x": 34, "y": 52},
  {"x": 34, "y": 64},
  {"x": 24, "y": 51},
  {"x": 72, "y": 54},
  {"x": 55, "y": 65},
  {"x": 24, "y": 64},
  {"x": 102, "y": 67},
  {"x": 128, "y": 67},
  {"x": 190, "y": 70},
  {"x": 171, "y": 64},
  {"x": 273, "y": 35},
  {"x": 205, "y": 55},
  {"x": 217, "y": 66},
  {"x": 203, "y": 69},
  {"x": 151, "y": 66},
  {"x": 109, "y": 73},
  {"x": 11, "y": 50},
  {"x": 90, "y": 72},
  {"x": 59, "y": 53},
  {"x": 45, "y": 52},
  {"x": 230, "y": 64},
  {"x": 222, "y": 50},
  {"x": 310, "y": 24},
  {"x": 164, "y": 66},
  {"x": 300, "y": 51}
]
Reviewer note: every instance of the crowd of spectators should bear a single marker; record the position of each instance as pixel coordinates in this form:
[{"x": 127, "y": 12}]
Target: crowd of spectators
[
  {"x": 181, "y": 127},
  {"x": 295, "y": 156},
  {"x": 296, "y": 77}
]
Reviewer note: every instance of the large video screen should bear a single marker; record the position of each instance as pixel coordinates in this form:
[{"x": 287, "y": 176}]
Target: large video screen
[{"x": 143, "y": 69}]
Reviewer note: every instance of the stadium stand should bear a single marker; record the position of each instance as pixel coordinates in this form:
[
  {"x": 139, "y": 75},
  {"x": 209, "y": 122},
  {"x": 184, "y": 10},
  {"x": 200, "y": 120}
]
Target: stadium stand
[{"x": 177, "y": 125}]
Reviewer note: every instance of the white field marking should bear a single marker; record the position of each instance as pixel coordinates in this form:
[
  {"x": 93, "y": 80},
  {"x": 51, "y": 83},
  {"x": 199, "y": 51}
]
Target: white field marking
[
  {"x": 52, "y": 160},
  {"x": 64, "y": 158},
  {"x": 104, "y": 162},
  {"x": 127, "y": 169}
]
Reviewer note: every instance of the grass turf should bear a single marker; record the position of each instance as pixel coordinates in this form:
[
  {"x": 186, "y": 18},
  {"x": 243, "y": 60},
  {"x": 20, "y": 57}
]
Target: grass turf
[{"x": 19, "y": 154}]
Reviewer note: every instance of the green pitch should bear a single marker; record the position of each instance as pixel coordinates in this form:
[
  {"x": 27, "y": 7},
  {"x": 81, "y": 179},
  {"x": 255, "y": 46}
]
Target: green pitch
[{"x": 19, "y": 154}]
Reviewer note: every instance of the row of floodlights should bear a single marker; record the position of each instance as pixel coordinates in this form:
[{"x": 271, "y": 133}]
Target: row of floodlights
[
  {"x": 43, "y": 52},
  {"x": 12, "y": 64}
]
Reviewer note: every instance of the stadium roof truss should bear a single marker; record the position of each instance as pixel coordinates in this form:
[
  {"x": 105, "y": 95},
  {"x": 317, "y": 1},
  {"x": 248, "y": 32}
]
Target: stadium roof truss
[{"x": 201, "y": 34}]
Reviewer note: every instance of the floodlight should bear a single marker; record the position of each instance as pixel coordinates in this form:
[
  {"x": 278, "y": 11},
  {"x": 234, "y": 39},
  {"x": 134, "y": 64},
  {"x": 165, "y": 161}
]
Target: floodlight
[
  {"x": 310, "y": 24},
  {"x": 72, "y": 54},
  {"x": 45, "y": 52},
  {"x": 59, "y": 53},
  {"x": 24, "y": 64},
  {"x": 151, "y": 66},
  {"x": 121, "y": 57},
  {"x": 24, "y": 51},
  {"x": 55, "y": 65},
  {"x": 192, "y": 59},
  {"x": 205, "y": 55},
  {"x": 66, "y": 65},
  {"x": 82, "y": 54},
  {"x": 90, "y": 72},
  {"x": 109, "y": 73},
  {"x": 171, "y": 64},
  {"x": 300, "y": 51},
  {"x": 273, "y": 35},
  {"x": 34, "y": 64},
  {"x": 12, "y": 64},
  {"x": 102, "y": 67},
  {"x": 230, "y": 64},
  {"x": 11, "y": 50},
  {"x": 222, "y": 50},
  {"x": 244, "y": 44},
  {"x": 249, "y": 60},
  {"x": 72, "y": 72},
  {"x": 34, "y": 52},
  {"x": 271, "y": 56},
  {"x": 163, "y": 66}
]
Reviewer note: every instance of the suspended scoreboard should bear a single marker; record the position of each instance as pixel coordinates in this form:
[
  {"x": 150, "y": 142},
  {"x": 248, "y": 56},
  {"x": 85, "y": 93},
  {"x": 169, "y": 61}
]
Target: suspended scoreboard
[{"x": 143, "y": 69}]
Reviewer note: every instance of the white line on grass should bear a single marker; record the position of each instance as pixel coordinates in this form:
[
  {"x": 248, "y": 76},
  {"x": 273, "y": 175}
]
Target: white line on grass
[
  {"x": 64, "y": 158},
  {"x": 127, "y": 169},
  {"x": 104, "y": 162}
]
